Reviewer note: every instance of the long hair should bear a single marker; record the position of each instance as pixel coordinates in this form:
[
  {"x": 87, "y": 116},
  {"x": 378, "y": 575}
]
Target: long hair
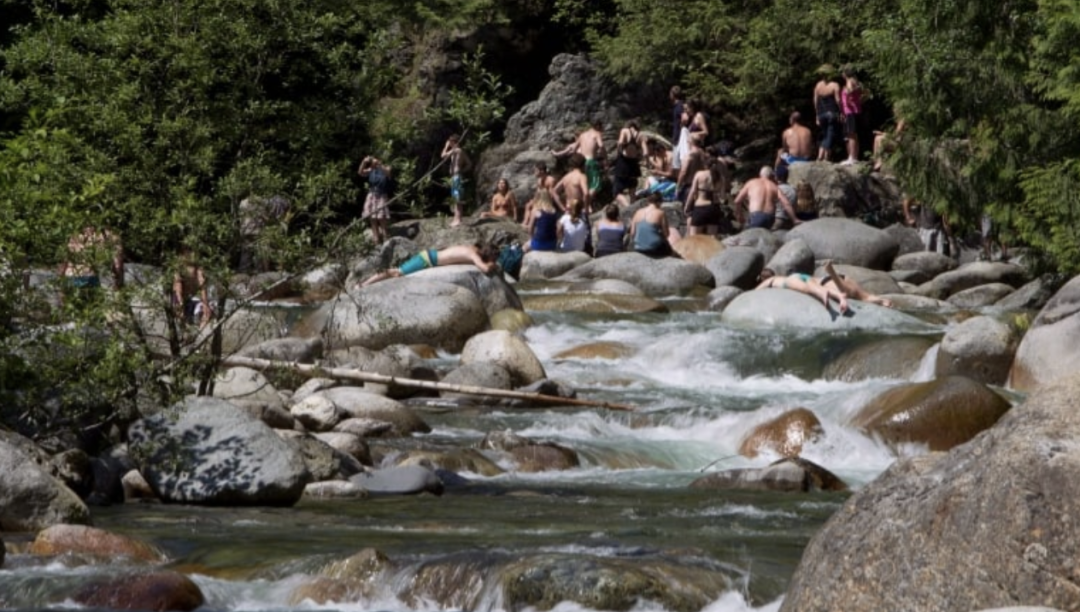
[{"x": 576, "y": 208}]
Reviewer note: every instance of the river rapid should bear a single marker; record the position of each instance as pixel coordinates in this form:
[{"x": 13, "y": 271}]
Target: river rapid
[{"x": 698, "y": 385}]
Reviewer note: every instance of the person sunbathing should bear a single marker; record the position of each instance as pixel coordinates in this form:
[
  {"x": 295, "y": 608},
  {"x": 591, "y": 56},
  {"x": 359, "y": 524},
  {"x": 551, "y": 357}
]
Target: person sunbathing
[
  {"x": 833, "y": 286},
  {"x": 483, "y": 256}
]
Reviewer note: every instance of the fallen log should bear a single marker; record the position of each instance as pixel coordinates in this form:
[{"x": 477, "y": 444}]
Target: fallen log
[{"x": 361, "y": 376}]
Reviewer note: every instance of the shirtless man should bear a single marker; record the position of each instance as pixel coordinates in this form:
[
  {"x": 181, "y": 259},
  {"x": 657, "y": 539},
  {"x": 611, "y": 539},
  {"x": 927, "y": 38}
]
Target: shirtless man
[
  {"x": 459, "y": 162},
  {"x": 573, "y": 186},
  {"x": 761, "y": 194},
  {"x": 85, "y": 249},
  {"x": 796, "y": 143},
  {"x": 590, "y": 145},
  {"x": 545, "y": 183},
  {"x": 695, "y": 161},
  {"x": 483, "y": 256}
]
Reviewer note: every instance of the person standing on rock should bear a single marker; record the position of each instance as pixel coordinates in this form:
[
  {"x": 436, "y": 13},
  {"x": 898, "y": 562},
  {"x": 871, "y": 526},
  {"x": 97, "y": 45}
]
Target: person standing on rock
[
  {"x": 695, "y": 161},
  {"x": 459, "y": 164},
  {"x": 851, "y": 106},
  {"x": 703, "y": 201},
  {"x": 760, "y": 195},
  {"x": 590, "y": 145},
  {"x": 626, "y": 170},
  {"x": 380, "y": 189},
  {"x": 783, "y": 222},
  {"x": 483, "y": 256},
  {"x": 827, "y": 107},
  {"x": 796, "y": 142}
]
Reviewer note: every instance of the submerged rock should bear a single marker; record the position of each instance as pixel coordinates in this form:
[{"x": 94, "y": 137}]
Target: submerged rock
[
  {"x": 896, "y": 357},
  {"x": 89, "y": 541},
  {"x": 941, "y": 413},
  {"x": 991, "y": 523},
  {"x": 791, "y": 474},
  {"x": 157, "y": 590},
  {"x": 593, "y": 303}
]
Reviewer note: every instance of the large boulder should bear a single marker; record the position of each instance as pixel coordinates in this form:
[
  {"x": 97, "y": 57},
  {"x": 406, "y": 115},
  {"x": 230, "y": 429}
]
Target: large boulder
[
  {"x": 893, "y": 357},
  {"x": 1032, "y": 296},
  {"x": 874, "y": 281},
  {"x": 794, "y": 257},
  {"x": 980, "y": 348},
  {"x": 207, "y": 451},
  {"x": 494, "y": 292},
  {"x": 980, "y": 296},
  {"x": 769, "y": 308},
  {"x": 737, "y": 266},
  {"x": 989, "y": 524},
  {"x": 907, "y": 237},
  {"x": 844, "y": 191},
  {"x": 399, "y": 311},
  {"x": 663, "y": 276},
  {"x": 972, "y": 275},
  {"x": 847, "y": 242},
  {"x": 30, "y": 498},
  {"x": 542, "y": 265},
  {"x": 764, "y": 241},
  {"x": 507, "y": 351},
  {"x": 941, "y": 413},
  {"x": 1051, "y": 347}
]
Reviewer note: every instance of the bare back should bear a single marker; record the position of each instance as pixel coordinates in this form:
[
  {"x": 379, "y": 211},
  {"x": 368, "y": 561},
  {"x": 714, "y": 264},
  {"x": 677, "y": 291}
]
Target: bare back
[
  {"x": 760, "y": 195},
  {"x": 799, "y": 142},
  {"x": 590, "y": 144},
  {"x": 573, "y": 186}
]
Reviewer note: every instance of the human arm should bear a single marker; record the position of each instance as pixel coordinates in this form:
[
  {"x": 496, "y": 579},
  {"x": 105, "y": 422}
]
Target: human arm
[
  {"x": 365, "y": 166},
  {"x": 817, "y": 117},
  {"x": 691, "y": 198},
  {"x": 908, "y": 219},
  {"x": 739, "y": 199},
  {"x": 569, "y": 149},
  {"x": 485, "y": 266},
  {"x": 511, "y": 205}
]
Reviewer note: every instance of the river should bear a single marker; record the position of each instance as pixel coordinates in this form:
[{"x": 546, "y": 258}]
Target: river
[{"x": 698, "y": 386}]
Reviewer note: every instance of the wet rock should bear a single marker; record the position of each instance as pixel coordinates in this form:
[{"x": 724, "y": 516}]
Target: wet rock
[
  {"x": 323, "y": 461},
  {"x": 400, "y": 480},
  {"x": 512, "y": 320},
  {"x": 793, "y": 257},
  {"x": 93, "y": 542},
  {"x": 363, "y": 427},
  {"x": 320, "y": 590},
  {"x": 941, "y": 413},
  {"x": 980, "y": 348},
  {"x": 784, "y": 435},
  {"x": 358, "y": 403},
  {"x": 508, "y": 351},
  {"x": 604, "y": 286},
  {"x": 334, "y": 489},
  {"x": 245, "y": 387},
  {"x": 737, "y": 266},
  {"x": 699, "y": 248},
  {"x": 30, "y": 497},
  {"x": 605, "y": 583},
  {"x": 157, "y": 590},
  {"x": 790, "y": 474},
  {"x": 972, "y": 275},
  {"x": 481, "y": 374},
  {"x": 542, "y": 265},
  {"x": 719, "y": 298},
  {"x": 408, "y": 310},
  {"x": 136, "y": 488},
  {"x": 989, "y": 524},
  {"x": 896, "y": 357},
  {"x": 770, "y": 308},
  {"x": 593, "y": 303},
  {"x": 543, "y": 457},
  {"x": 317, "y": 413},
  {"x": 597, "y": 350},
  {"x": 845, "y": 241},
  {"x": 980, "y": 296},
  {"x": 350, "y": 444},
  {"x": 656, "y": 277},
  {"x": 74, "y": 469},
  {"x": 1051, "y": 347},
  {"x": 349, "y": 579},
  {"x": 207, "y": 451},
  {"x": 456, "y": 460}
]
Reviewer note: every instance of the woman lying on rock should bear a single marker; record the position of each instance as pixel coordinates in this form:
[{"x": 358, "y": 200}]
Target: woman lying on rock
[
  {"x": 483, "y": 256},
  {"x": 832, "y": 285}
]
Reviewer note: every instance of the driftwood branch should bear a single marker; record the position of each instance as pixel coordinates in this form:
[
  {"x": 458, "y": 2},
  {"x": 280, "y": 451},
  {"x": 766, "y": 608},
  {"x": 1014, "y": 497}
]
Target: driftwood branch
[{"x": 361, "y": 376}]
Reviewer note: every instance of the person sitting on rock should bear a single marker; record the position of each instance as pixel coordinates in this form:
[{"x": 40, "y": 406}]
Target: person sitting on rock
[
  {"x": 503, "y": 202},
  {"x": 483, "y": 256},
  {"x": 796, "y": 142},
  {"x": 649, "y": 229}
]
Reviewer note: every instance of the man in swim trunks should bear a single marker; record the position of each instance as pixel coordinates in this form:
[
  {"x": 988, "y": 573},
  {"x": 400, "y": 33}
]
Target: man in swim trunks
[
  {"x": 761, "y": 194},
  {"x": 590, "y": 144},
  {"x": 459, "y": 162},
  {"x": 483, "y": 256},
  {"x": 796, "y": 143},
  {"x": 574, "y": 185}
]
